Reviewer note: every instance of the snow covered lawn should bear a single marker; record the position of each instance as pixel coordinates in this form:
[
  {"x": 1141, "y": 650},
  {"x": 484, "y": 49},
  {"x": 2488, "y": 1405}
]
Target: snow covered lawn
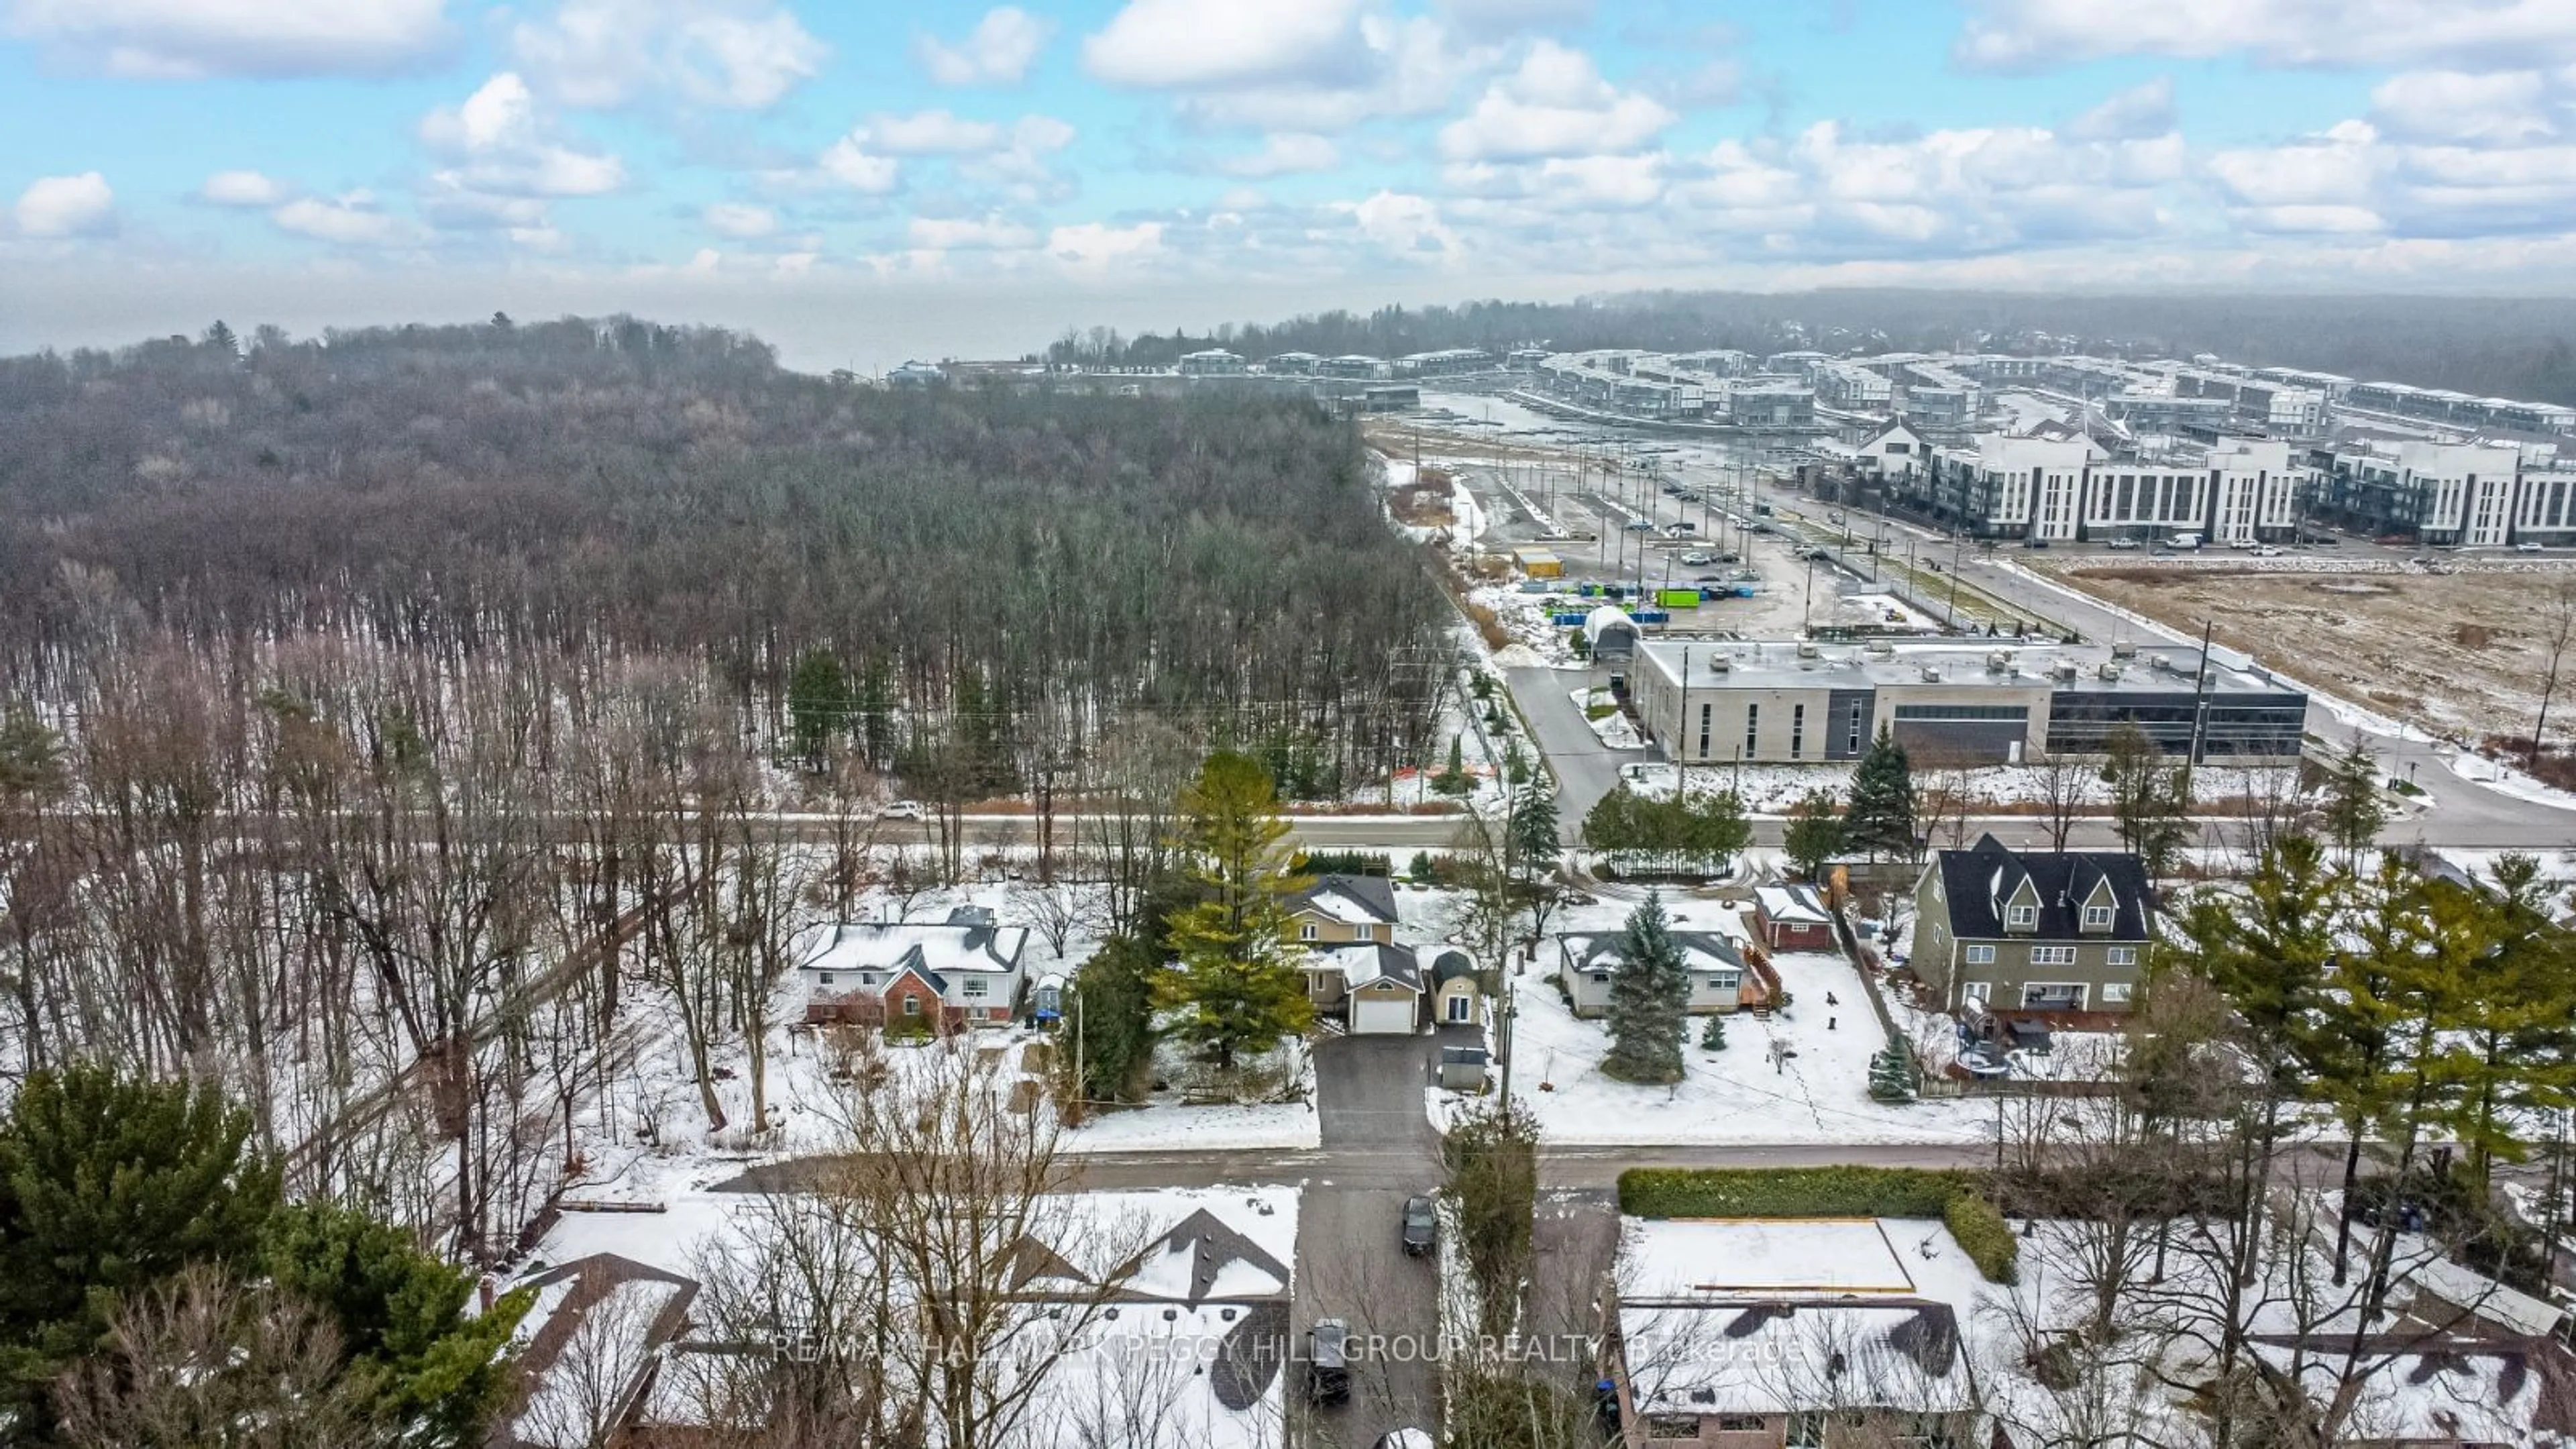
[
  {"x": 1614, "y": 728},
  {"x": 1740, "y": 1094}
]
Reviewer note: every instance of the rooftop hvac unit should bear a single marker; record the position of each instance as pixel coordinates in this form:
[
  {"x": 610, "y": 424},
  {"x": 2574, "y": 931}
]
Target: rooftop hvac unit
[
  {"x": 1808, "y": 651},
  {"x": 1879, "y": 649},
  {"x": 2159, "y": 663},
  {"x": 1720, "y": 664},
  {"x": 2110, "y": 669},
  {"x": 2125, "y": 649},
  {"x": 2066, "y": 672},
  {"x": 1931, "y": 674},
  {"x": 1999, "y": 661}
]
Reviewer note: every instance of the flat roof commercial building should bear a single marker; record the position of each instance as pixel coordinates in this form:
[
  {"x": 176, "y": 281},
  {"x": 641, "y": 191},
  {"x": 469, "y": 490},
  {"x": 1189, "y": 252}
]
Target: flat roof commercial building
[{"x": 1999, "y": 702}]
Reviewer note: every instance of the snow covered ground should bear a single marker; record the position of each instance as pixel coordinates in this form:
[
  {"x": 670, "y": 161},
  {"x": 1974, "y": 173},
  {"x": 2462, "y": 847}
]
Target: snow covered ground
[
  {"x": 1776, "y": 789},
  {"x": 1616, "y": 730},
  {"x": 1742, "y": 1094}
]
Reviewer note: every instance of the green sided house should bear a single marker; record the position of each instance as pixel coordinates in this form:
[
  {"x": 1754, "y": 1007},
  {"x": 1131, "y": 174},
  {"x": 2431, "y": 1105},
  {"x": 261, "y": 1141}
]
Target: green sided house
[{"x": 2016, "y": 933}]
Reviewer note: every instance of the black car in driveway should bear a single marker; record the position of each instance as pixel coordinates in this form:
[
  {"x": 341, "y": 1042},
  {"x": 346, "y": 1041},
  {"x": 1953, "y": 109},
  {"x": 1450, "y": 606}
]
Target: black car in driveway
[
  {"x": 1421, "y": 1226},
  {"x": 1328, "y": 1365}
]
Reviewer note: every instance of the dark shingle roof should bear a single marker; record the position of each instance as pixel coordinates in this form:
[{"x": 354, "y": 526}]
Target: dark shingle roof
[
  {"x": 1374, "y": 893},
  {"x": 1976, "y": 882},
  {"x": 1367, "y": 961},
  {"x": 1448, "y": 966}
]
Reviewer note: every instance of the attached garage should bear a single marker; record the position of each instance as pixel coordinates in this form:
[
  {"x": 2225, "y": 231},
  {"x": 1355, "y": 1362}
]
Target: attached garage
[{"x": 1384, "y": 1009}]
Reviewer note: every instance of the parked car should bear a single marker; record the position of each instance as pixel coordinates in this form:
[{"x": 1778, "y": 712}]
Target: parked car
[
  {"x": 2526, "y": 546},
  {"x": 1696, "y": 559},
  {"x": 1328, "y": 1363},
  {"x": 2269, "y": 550},
  {"x": 1730, "y": 556},
  {"x": 2240, "y": 543},
  {"x": 1421, "y": 1226},
  {"x": 1641, "y": 525},
  {"x": 2124, "y": 543},
  {"x": 901, "y": 810},
  {"x": 2034, "y": 543}
]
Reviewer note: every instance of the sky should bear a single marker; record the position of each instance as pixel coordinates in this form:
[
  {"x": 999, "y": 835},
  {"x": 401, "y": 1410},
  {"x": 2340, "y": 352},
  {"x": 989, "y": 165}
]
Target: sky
[{"x": 862, "y": 182}]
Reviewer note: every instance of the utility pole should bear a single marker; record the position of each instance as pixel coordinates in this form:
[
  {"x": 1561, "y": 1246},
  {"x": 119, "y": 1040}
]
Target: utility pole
[{"x": 2199, "y": 709}]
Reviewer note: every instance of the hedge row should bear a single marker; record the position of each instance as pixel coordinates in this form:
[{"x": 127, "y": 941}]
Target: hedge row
[
  {"x": 1985, "y": 1237},
  {"x": 1830, "y": 1192}
]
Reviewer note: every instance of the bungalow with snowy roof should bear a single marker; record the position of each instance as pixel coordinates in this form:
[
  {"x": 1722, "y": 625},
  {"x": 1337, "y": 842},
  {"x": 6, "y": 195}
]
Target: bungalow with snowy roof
[
  {"x": 1720, "y": 981},
  {"x": 964, "y": 971}
]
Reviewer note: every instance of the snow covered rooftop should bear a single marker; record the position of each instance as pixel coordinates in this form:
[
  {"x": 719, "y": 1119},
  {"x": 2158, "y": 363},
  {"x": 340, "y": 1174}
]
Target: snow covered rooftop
[
  {"x": 1353, "y": 900},
  {"x": 1796, "y": 905},
  {"x": 942, "y": 946},
  {"x": 1689, "y": 1260}
]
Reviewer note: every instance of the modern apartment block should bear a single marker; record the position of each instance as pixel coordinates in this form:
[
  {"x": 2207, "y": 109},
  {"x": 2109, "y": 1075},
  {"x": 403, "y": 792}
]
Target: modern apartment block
[
  {"x": 1720, "y": 702},
  {"x": 2468, "y": 494},
  {"x": 2060, "y": 486}
]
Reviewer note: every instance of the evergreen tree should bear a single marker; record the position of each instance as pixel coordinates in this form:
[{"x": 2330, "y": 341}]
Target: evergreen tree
[
  {"x": 1649, "y": 998},
  {"x": 818, "y": 706},
  {"x": 1239, "y": 985},
  {"x": 424, "y": 1362},
  {"x": 2150, "y": 800},
  {"x": 2354, "y": 807},
  {"x": 1712, "y": 830},
  {"x": 1815, "y": 835},
  {"x": 1880, "y": 817},
  {"x": 1712, "y": 1037},
  {"x": 877, "y": 737},
  {"x": 1111, "y": 1006},
  {"x": 1892, "y": 1074},
  {"x": 1454, "y": 780},
  {"x": 109, "y": 1184}
]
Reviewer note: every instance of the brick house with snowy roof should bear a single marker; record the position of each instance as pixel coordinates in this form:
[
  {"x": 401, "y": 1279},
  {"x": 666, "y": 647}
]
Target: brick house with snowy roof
[{"x": 964, "y": 971}]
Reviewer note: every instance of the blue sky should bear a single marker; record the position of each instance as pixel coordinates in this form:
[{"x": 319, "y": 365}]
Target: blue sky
[{"x": 863, "y": 181}]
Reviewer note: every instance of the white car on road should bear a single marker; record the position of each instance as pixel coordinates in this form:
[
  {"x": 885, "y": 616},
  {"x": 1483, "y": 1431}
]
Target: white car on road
[{"x": 901, "y": 810}]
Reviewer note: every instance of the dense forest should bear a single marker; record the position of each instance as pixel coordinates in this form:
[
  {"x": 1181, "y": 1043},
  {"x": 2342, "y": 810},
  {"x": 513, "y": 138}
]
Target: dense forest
[
  {"x": 2493, "y": 346},
  {"x": 376, "y": 711},
  {"x": 975, "y": 561}
]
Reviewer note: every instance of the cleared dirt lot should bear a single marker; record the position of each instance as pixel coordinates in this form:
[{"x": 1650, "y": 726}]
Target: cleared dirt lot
[{"x": 2462, "y": 653}]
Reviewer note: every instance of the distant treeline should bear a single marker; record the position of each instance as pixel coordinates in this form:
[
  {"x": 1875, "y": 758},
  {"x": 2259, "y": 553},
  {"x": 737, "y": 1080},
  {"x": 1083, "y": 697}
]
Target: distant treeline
[
  {"x": 2521, "y": 348},
  {"x": 1026, "y": 567}
]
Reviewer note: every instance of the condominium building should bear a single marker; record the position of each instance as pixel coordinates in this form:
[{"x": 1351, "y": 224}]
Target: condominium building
[
  {"x": 2062, "y": 486},
  {"x": 2441, "y": 493}
]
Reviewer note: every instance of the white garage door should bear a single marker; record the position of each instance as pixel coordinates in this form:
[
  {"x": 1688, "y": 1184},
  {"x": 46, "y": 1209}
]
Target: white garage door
[{"x": 1372, "y": 1016}]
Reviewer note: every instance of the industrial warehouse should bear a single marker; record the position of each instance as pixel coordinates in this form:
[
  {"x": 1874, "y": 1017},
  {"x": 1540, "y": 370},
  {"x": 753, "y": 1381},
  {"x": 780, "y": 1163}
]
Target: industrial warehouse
[{"x": 1799, "y": 702}]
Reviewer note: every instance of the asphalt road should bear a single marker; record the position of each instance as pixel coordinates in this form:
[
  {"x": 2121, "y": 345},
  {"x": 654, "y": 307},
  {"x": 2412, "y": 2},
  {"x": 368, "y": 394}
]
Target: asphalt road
[
  {"x": 1586, "y": 769},
  {"x": 1378, "y": 1149}
]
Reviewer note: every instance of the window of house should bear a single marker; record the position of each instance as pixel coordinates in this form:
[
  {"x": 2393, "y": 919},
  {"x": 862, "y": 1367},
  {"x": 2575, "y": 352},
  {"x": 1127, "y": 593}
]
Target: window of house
[
  {"x": 2122, "y": 956},
  {"x": 1797, "y": 730},
  {"x": 1601, "y": 976},
  {"x": 1305, "y": 930},
  {"x": 1976, "y": 991},
  {"x": 912, "y": 1006},
  {"x": 1672, "y": 1426},
  {"x": 1859, "y": 711},
  {"x": 2097, "y": 915},
  {"x": 1707, "y": 714},
  {"x": 2052, "y": 955},
  {"x": 974, "y": 986},
  {"x": 1461, "y": 1007},
  {"x": 1806, "y": 1430},
  {"x": 2021, "y": 915},
  {"x": 1981, "y": 955},
  {"x": 867, "y": 978},
  {"x": 1752, "y": 729},
  {"x": 1740, "y": 1423},
  {"x": 822, "y": 978},
  {"x": 1367, "y": 933},
  {"x": 2115, "y": 992},
  {"x": 1724, "y": 981}
]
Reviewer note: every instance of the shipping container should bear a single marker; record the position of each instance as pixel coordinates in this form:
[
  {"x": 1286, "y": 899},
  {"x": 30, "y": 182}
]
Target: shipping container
[
  {"x": 1677, "y": 598},
  {"x": 1650, "y": 616}
]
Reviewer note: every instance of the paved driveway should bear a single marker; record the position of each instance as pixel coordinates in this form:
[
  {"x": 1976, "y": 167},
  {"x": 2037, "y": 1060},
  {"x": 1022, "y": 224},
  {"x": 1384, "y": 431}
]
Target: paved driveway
[{"x": 1378, "y": 1149}]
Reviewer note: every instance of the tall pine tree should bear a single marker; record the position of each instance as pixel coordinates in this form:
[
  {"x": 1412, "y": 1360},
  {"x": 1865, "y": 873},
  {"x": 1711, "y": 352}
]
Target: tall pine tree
[
  {"x": 1649, "y": 997},
  {"x": 1880, "y": 818},
  {"x": 1239, "y": 985},
  {"x": 818, "y": 705}
]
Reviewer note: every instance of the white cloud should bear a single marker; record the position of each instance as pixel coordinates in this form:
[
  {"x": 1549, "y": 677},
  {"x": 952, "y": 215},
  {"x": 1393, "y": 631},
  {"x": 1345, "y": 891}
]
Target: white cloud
[
  {"x": 66, "y": 206},
  {"x": 502, "y": 144},
  {"x": 2508, "y": 108},
  {"x": 242, "y": 188},
  {"x": 930, "y": 133},
  {"x": 178, "y": 39},
  {"x": 740, "y": 221},
  {"x": 1094, "y": 248},
  {"x": 1555, "y": 104},
  {"x": 2141, "y": 110},
  {"x": 1504, "y": 16},
  {"x": 1193, "y": 44},
  {"x": 734, "y": 54},
  {"x": 998, "y": 51},
  {"x": 2466, "y": 34},
  {"x": 993, "y": 233},
  {"x": 1402, "y": 223},
  {"x": 2441, "y": 174},
  {"x": 849, "y": 162},
  {"x": 1284, "y": 154},
  {"x": 352, "y": 220}
]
